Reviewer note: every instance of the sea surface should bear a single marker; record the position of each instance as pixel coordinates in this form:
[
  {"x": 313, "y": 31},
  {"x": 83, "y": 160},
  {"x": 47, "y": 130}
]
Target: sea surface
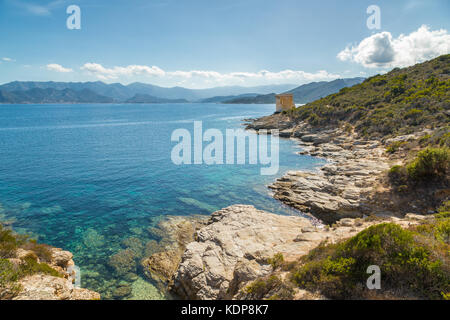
[{"x": 95, "y": 178}]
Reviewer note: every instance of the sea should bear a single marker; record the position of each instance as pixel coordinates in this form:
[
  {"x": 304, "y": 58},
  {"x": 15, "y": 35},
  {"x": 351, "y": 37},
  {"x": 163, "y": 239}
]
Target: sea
[{"x": 96, "y": 179}]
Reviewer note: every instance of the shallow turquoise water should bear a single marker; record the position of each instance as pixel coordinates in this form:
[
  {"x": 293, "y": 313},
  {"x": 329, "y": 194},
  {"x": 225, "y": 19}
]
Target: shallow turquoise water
[{"x": 87, "y": 177}]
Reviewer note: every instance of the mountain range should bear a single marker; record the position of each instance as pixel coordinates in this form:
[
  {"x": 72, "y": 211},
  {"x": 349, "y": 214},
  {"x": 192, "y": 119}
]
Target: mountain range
[
  {"x": 22, "y": 92},
  {"x": 302, "y": 94}
]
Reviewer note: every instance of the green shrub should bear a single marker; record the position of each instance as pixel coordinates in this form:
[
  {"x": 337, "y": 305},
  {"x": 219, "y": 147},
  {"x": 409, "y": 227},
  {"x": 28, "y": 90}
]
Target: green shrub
[
  {"x": 443, "y": 211},
  {"x": 395, "y": 146},
  {"x": 276, "y": 261},
  {"x": 431, "y": 164},
  {"x": 8, "y": 243},
  {"x": 398, "y": 175},
  {"x": 271, "y": 287},
  {"x": 9, "y": 274},
  {"x": 32, "y": 266},
  {"x": 408, "y": 266},
  {"x": 43, "y": 251}
]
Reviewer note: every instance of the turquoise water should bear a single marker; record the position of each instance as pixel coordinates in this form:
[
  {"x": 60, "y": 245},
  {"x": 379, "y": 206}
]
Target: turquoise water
[{"x": 92, "y": 179}]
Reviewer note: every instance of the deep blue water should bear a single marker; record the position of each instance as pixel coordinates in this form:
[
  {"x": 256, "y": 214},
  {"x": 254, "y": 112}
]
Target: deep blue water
[{"x": 87, "y": 177}]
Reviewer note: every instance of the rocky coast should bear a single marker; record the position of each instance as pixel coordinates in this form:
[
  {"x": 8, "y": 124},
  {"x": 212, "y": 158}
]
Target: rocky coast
[
  {"x": 343, "y": 187},
  {"x": 237, "y": 245},
  {"x": 49, "y": 287}
]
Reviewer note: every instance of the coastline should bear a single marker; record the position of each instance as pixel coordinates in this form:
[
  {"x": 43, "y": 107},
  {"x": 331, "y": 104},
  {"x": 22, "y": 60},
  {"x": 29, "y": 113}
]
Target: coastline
[
  {"x": 217, "y": 257},
  {"x": 58, "y": 282},
  {"x": 237, "y": 244}
]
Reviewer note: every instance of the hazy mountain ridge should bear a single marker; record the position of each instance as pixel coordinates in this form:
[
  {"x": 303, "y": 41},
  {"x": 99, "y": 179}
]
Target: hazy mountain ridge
[
  {"x": 50, "y": 95},
  {"x": 100, "y": 92},
  {"x": 221, "y": 99},
  {"x": 303, "y": 94},
  {"x": 145, "y": 98},
  {"x": 122, "y": 93}
]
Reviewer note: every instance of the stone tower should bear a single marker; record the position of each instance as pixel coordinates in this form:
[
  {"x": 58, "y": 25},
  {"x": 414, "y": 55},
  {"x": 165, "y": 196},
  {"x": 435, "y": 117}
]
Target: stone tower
[{"x": 285, "y": 102}]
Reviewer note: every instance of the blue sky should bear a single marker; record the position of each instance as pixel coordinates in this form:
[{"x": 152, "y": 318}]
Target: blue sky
[{"x": 206, "y": 43}]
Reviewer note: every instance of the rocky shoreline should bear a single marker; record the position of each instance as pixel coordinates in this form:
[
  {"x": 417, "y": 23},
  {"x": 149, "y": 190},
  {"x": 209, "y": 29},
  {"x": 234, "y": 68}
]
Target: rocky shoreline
[
  {"x": 217, "y": 257},
  {"x": 352, "y": 184},
  {"x": 343, "y": 187},
  {"x": 236, "y": 245},
  {"x": 48, "y": 287}
]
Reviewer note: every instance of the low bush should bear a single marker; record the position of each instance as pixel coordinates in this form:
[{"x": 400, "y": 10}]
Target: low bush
[
  {"x": 271, "y": 288},
  {"x": 410, "y": 267},
  {"x": 276, "y": 261},
  {"x": 10, "y": 273},
  {"x": 431, "y": 164},
  {"x": 395, "y": 146}
]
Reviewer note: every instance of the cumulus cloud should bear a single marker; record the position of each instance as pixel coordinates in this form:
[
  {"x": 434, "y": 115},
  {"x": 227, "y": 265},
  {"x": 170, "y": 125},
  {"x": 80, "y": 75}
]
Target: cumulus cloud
[
  {"x": 7, "y": 59},
  {"x": 58, "y": 68},
  {"x": 113, "y": 73},
  {"x": 382, "y": 50},
  {"x": 208, "y": 76}
]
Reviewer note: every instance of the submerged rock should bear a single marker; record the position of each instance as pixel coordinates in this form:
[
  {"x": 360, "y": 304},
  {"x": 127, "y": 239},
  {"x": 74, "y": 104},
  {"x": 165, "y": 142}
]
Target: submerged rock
[
  {"x": 123, "y": 262},
  {"x": 92, "y": 239},
  {"x": 123, "y": 291},
  {"x": 163, "y": 257}
]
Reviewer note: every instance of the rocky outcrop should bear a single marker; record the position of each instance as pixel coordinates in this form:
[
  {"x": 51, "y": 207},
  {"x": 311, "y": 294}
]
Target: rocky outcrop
[
  {"x": 47, "y": 287},
  {"x": 352, "y": 183},
  {"x": 342, "y": 187},
  {"x": 174, "y": 233},
  {"x": 236, "y": 245}
]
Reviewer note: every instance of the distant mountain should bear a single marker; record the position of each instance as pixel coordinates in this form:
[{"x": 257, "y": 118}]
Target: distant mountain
[
  {"x": 220, "y": 99},
  {"x": 145, "y": 98},
  {"x": 303, "y": 94},
  {"x": 115, "y": 91},
  {"x": 100, "y": 92},
  {"x": 316, "y": 90},
  {"x": 259, "y": 99},
  {"x": 38, "y": 95},
  {"x": 122, "y": 93}
]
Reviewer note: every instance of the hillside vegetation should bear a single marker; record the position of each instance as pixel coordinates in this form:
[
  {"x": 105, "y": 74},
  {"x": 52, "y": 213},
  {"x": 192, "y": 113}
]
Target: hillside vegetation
[
  {"x": 415, "y": 262},
  {"x": 302, "y": 94},
  {"x": 399, "y": 102}
]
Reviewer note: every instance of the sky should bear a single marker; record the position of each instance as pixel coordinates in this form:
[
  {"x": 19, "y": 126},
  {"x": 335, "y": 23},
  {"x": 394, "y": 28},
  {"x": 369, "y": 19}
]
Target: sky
[{"x": 209, "y": 43}]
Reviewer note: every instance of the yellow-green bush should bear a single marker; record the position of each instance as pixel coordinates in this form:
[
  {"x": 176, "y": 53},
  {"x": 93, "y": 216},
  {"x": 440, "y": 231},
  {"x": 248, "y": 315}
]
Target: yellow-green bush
[
  {"x": 409, "y": 266},
  {"x": 430, "y": 164},
  {"x": 11, "y": 273},
  {"x": 271, "y": 287}
]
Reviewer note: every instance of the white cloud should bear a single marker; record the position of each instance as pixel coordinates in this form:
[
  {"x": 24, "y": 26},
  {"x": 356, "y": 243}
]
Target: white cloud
[
  {"x": 207, "y": 76},
  {"x": 38, "y": 9},
  {"x": 382, "y": 50},
  {"x": 113, "y": 73},
  {"x": 58, "y": 68},
  {"x": 7, "y": 59}
]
